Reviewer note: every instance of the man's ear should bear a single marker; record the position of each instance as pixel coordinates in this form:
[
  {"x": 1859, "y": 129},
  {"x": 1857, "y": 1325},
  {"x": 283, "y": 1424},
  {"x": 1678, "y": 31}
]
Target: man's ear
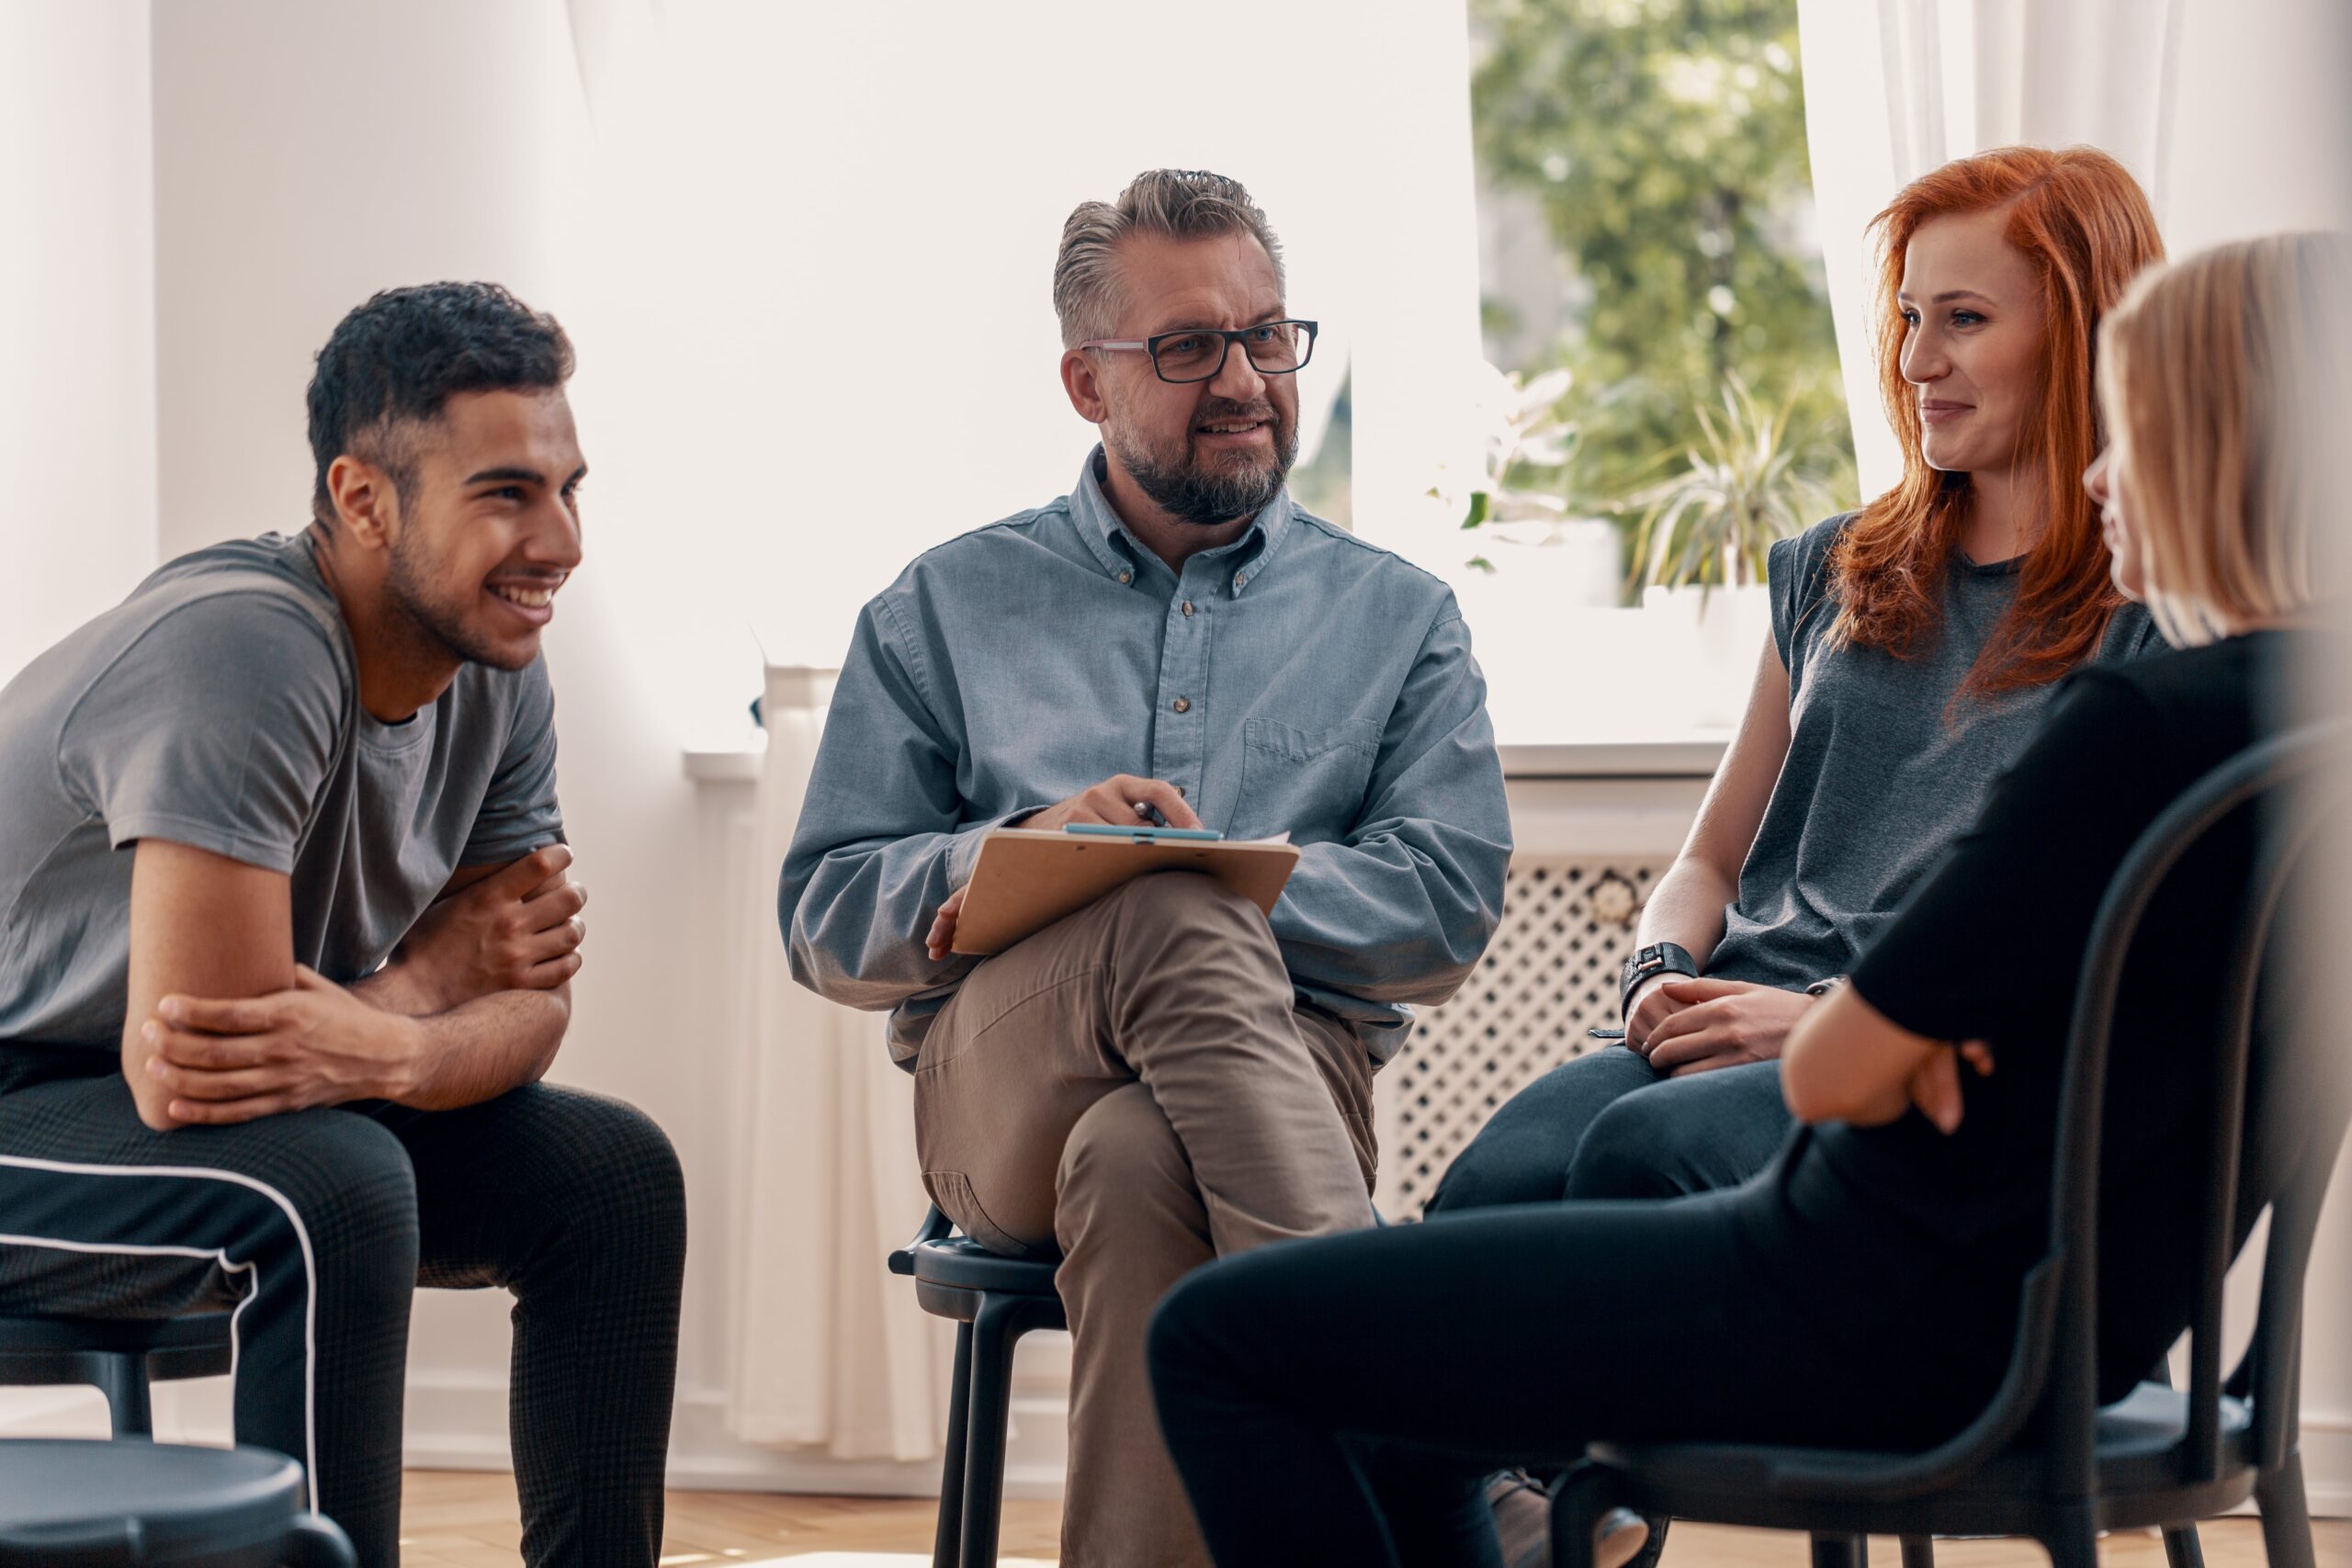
[
  {"x": 1082, "y": 379},
  {"x": 366, "y": 502}
]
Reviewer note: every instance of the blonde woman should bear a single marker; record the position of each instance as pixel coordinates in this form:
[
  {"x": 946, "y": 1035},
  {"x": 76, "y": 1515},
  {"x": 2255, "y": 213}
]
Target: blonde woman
[{"x": 1794, "y": 1308}]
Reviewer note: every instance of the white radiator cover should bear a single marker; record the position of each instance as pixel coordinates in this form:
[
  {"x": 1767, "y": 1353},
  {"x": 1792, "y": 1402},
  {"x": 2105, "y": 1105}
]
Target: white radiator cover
[{"x": 1549, "y": 975}]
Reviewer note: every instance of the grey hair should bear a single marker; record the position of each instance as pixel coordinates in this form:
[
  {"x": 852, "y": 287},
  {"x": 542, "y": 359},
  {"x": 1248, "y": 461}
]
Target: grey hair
[{"x": 1180, "y": 203}]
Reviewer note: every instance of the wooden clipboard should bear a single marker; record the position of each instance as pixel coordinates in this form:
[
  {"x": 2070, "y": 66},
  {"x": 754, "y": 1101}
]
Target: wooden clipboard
[{"x": 1026, "y": 880}]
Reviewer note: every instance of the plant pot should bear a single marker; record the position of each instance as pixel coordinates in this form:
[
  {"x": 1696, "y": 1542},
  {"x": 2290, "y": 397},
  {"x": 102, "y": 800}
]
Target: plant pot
[{"x": 1717, "y": 636}]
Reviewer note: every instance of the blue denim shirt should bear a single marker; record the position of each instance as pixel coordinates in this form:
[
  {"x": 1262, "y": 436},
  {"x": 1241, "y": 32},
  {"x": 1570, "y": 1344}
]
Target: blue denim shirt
[{"x": 1298, "y": 680}]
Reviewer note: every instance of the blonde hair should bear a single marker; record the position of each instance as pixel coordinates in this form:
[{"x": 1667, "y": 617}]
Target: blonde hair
[
  {"x": 1180, "y": 203},
  {"x": 2224, "y": 379}
]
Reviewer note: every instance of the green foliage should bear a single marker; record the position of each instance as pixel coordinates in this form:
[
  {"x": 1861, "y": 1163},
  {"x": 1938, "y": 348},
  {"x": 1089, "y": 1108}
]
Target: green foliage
[
  {"x": 1744, "y": 485},
  {"x": 1664, "y": 143}
]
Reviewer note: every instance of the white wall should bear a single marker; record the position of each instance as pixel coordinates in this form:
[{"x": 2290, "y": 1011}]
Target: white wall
[
  {"x": 2261, "y": 134},
  {"x": 77, "y": 378}
]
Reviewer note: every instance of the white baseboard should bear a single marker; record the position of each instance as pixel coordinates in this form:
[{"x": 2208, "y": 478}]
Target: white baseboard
[
  {"x": 458, "y": 1422},
  {"x": 2328, "y": 1464}
]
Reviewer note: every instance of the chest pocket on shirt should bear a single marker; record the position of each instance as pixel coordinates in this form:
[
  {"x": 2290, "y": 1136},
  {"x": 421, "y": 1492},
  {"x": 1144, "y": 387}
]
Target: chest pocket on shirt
[{"x": 1308, "y": 783}]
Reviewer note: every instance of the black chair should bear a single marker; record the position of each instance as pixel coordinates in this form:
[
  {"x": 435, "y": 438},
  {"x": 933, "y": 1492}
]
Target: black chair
[
  {"x": 73, "y": 1503},
  {"x": 2043, "y": 1459},
  {"x": 994, "y": 1301},
  {"x": 118, "y": 1357}
]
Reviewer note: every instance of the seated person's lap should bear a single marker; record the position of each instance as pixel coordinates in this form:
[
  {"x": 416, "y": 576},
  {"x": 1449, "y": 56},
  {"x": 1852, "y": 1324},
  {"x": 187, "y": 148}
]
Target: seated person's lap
[{"x": 1606, "y": 1125}]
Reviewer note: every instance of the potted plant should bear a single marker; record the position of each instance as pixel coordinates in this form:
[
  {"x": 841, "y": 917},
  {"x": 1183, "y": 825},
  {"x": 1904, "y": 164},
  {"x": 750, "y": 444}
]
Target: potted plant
[
  {"x": 1550, "y": 556},
  {"x": 1705, "y": 534}
]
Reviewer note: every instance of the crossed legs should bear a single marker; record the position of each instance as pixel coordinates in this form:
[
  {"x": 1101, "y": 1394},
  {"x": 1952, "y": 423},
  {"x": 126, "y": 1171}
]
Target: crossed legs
[{"x": 1134, "y": 1086}]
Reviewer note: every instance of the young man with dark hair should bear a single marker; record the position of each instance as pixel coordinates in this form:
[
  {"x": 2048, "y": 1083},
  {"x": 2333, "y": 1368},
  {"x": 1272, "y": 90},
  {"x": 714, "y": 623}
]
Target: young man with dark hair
[{"x": 286, "y": 939}]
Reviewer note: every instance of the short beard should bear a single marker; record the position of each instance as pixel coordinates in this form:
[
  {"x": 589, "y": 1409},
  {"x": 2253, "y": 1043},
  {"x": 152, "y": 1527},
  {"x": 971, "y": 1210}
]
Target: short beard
[
  {"x": 441, "y": 630},
  {"x": 1190, "y": 491}
]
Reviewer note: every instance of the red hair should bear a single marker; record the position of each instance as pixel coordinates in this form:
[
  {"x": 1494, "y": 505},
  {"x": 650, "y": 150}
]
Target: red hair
[{"x": 2085, "y": 225}]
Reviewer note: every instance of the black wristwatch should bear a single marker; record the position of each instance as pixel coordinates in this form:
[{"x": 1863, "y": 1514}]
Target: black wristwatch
[
  {"x": 1659, "y": 958},
  {"x": 1823, "y": 988}
]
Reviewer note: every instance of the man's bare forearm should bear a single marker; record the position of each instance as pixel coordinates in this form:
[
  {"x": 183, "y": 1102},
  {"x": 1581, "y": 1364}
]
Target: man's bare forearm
[
  {"x": 481, "y": 1049},
  {"x": 397, "y": 988}
]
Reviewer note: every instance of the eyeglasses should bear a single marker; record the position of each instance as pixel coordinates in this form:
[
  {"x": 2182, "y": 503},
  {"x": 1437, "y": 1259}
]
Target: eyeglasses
[{"x": 1197, "y": 354}]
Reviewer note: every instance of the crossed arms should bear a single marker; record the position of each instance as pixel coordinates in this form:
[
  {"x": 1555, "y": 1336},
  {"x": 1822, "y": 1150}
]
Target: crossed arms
[{"x": 223, "y": 1026}]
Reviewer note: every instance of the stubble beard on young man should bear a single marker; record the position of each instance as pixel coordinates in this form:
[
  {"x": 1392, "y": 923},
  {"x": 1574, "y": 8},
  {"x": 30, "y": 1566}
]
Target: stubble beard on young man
[
  {"x": 437, "y": 631},
  {"x": 1208, "y": 494}
]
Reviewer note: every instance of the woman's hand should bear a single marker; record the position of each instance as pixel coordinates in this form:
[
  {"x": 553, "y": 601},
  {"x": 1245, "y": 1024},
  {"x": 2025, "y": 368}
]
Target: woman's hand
[{"x": 1718, "y": 1023}]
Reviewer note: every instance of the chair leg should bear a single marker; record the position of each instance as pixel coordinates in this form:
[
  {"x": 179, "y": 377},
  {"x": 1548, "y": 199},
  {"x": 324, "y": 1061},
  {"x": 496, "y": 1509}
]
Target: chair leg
[
  {"x": 1841, "y": 1550},
  {"x": 1919, "y": 1551},
  {"x": 2072, "y": 1539},
  {"x": 2285, "y": 1515},
  {"x": 994, "y": 1330},
  {"x": 947, "y": 1544},
  {"x": 317, "y": 1541},
  {"x": 123, "y": 1380},
  {"x": 2182, "y": 1548}
]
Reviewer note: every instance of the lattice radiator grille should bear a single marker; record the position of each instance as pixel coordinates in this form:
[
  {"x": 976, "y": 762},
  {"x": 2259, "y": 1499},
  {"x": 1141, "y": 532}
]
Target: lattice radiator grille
[{"x": 1550, "y": 974}]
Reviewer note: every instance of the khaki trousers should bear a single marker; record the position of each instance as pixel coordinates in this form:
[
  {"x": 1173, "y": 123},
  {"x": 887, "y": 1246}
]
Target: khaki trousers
[{"x": 1134, "y": 1085}]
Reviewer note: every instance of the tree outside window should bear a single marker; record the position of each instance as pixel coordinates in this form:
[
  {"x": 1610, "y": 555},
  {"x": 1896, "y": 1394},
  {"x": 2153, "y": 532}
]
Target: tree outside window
[{"x": 1647, "y": 224}]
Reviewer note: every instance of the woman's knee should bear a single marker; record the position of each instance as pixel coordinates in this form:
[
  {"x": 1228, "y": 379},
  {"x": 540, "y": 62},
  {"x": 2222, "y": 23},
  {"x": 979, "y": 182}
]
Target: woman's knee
[{"x": 1524, "y": 1152}]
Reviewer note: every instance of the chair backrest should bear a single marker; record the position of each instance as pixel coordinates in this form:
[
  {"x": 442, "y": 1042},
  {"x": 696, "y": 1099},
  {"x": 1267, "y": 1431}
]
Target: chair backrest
[
  {"x": 2274, "y": 774},
  {"x": 2054, "y": 1370}
]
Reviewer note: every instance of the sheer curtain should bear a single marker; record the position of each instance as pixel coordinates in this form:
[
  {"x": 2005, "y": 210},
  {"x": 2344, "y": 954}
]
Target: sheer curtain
[
  {"x": 827, "y": 1351},
  {"x": 1895, "y": 88}
]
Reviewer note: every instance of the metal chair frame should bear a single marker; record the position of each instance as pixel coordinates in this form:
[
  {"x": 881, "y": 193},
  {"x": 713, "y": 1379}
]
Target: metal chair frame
[{"x": 2043, "y": 1459}]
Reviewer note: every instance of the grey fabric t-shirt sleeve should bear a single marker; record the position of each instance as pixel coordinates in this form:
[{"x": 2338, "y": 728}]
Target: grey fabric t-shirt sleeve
[
  {"x": 215, "y": 728},
  {"x": 1796, "y": 574},
  {"x": 520, "y": 812}
]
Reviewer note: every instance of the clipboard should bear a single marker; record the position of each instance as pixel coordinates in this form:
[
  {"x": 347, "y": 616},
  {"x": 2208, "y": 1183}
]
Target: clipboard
[{"x": 1025, "y": 880}]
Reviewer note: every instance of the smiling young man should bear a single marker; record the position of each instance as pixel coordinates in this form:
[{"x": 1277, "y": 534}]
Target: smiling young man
[
  {"x": 286, "y": 940},
  {"x": 1169, "y": 1075}
]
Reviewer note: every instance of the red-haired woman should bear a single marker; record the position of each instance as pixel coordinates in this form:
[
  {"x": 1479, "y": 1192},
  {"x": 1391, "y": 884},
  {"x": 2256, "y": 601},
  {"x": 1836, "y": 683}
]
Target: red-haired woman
[{"x": 1914, "y": 643}]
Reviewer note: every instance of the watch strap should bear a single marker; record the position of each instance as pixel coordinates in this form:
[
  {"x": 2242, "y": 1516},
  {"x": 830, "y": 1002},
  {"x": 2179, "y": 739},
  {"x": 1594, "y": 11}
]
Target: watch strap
[{"x": 1647, "y": 965}]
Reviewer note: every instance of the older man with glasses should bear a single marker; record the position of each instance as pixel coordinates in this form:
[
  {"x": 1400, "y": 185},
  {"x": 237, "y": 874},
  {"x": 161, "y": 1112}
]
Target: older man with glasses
[{"x": 1167, "y": 1075}]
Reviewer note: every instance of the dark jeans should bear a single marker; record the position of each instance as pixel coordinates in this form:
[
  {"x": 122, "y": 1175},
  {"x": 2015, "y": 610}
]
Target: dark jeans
[
  {"x": 1606, "y": 1125},
  {"x": 322, "y": 1222},
  {"x": 1337, "y": 1400}
]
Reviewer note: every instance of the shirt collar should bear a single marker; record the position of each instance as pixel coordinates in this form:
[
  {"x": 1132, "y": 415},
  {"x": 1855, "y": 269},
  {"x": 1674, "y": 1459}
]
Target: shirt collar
[{"x": 1107, "y": 539}]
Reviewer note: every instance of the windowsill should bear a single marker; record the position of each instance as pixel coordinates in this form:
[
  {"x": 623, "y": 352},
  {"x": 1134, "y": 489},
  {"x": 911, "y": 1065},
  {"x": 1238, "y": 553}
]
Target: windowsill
[{"x": 1692, "y": 754}]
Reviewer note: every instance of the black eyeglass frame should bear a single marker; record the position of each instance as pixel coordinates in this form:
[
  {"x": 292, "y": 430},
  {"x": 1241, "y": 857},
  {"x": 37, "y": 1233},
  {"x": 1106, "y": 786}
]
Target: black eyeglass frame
[{"x": 1231, "y": 335}]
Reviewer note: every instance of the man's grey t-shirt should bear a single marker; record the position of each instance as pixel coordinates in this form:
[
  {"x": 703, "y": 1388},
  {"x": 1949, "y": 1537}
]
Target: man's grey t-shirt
[
  {"x": 217, "y": 706},
  {"x": 1885, "y": 768}
]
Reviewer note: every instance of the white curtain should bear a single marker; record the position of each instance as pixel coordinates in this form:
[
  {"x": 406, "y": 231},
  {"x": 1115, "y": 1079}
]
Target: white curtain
[
  {"x": 829, "y": 1351},
  {"x": 1896, "y": 87}
]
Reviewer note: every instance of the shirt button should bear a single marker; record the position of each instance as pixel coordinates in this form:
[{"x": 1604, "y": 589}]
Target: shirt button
[
  {"x": 1238, "y": 580},
  {"x": 1188, "y": 609},
  {"x": 1183, "y": 704},
  {"x": 1127, "y": 577}
]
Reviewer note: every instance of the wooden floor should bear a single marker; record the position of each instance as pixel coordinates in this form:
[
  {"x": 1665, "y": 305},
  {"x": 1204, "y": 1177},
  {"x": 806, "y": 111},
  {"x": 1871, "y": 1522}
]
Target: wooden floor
[{"x": 464, "y": 1520}]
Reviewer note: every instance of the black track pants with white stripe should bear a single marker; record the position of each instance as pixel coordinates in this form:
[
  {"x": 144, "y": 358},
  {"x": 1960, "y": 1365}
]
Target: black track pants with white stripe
[{"x": 317, "y": 1226}]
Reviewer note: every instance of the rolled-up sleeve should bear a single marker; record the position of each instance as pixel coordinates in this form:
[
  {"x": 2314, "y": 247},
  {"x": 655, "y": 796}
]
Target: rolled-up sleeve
[
  {"x": 1402, "y": 907},
  {"x": 881, "y": 841}
]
